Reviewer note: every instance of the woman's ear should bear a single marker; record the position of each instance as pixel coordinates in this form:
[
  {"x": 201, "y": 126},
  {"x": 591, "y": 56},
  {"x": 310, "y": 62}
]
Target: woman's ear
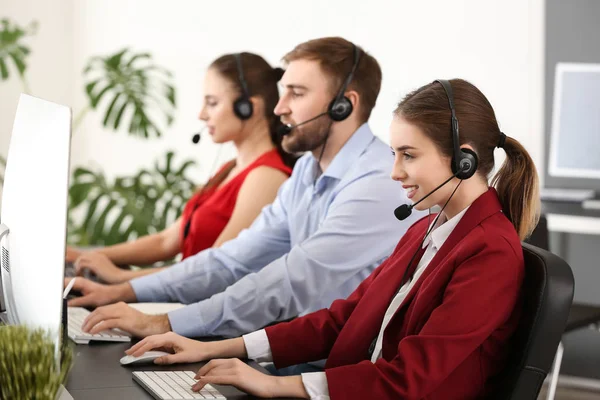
[
  {"x": 468, "y": 146},
  {"x": 258, "y": 106}
]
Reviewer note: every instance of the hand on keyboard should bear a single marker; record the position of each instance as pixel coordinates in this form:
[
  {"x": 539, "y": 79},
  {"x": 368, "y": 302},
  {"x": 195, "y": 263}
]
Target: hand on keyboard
[
  {"x": 126, "y": 318},
  {"x": 101, "y": 266},
  {"x": 76, "y": 316},
  {"x": 235, "y": 372},
  {"x": 185, "y": 350},
  {"x": 97, "y": 294},
  {"x": 169, "y": 385}
]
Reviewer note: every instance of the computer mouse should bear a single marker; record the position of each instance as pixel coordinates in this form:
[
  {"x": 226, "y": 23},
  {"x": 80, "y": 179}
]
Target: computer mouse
[{"x": 146, "y": 358}]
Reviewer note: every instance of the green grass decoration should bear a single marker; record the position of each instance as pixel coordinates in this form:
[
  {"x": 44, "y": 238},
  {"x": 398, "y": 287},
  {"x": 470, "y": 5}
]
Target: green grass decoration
[{"x": 28, "y": 369}]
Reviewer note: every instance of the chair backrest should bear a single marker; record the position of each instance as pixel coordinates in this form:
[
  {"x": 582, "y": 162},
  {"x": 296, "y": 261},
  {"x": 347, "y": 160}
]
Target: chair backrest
[
  {"x": 547, "y": 297},
  {"x": 540, "y": 237}
]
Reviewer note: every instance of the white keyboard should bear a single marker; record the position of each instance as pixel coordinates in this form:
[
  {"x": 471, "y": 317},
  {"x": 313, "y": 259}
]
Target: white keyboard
[
  {"x": 76, "y": 315},
  {"x": 164, "y": 385}
]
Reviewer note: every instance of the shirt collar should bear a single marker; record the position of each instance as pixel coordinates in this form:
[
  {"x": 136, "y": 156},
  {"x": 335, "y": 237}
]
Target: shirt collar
[
  {"x": 345, "y": 158},
  {"x": 443, "y": 229}
]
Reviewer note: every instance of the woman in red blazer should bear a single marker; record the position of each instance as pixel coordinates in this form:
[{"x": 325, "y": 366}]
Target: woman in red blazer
[{"x": 435, "y": 320}]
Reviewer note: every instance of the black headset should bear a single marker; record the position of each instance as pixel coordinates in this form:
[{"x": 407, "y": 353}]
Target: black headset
[
  {"x": 242, "y": 106},
  {"x": 464, "y": 161},
  {"x": 341, "y": 106}
]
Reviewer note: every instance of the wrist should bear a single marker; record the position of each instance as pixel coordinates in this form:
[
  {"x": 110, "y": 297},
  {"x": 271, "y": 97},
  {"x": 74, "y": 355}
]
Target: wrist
[
  {"x": 289, "y": 386},
  {"x": 125, "y": 275},
  {"x": 124, "y": 292},
  {"x": 162, "y": 324},
  {"x": 229, "y": 348}
]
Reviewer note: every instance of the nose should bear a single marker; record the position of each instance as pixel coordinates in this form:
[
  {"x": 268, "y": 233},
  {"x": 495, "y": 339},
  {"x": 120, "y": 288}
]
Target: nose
[
  {"x": 282, "y": 107},
  {"x": 203, "y": 115},
  {"x": 398, "y": 172}
]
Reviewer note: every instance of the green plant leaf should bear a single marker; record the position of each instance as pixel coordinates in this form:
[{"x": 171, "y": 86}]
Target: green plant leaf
[
  {"x": 129, "y": 206},
  {"x": 127, "y": 80},
  {"x": 12, "y": 47},
  {"x": 3, "y": 70},
  {"x": 79, "y": 191}
]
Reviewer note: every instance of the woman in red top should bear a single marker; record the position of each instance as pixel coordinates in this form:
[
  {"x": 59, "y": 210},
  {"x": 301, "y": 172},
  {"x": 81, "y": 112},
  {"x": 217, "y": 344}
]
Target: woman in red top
[
  {"x": 435, "y": 320},
  {"x": 240, "y": 96}
]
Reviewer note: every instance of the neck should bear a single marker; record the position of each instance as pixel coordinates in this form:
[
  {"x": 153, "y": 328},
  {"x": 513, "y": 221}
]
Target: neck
[
  {"x": 467, "y": 193},
  {"x": 339, "y": 134},
  {"x": 256, "y": 141}
]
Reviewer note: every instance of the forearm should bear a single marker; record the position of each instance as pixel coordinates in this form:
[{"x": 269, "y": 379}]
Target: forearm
[
  {"x": 230, "y": 348},
  {"x": 132, "y": 274},
  {"x": 143, "y": 251},
  {"x": 290, "y": 386}
]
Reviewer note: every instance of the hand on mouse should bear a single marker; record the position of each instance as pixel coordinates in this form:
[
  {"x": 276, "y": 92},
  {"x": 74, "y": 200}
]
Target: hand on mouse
[{"x": 184, "y": 350}]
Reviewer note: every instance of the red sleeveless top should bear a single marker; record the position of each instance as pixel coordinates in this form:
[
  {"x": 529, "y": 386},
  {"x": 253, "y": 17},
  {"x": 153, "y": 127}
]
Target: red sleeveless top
[{"x": 207, "y": 213}]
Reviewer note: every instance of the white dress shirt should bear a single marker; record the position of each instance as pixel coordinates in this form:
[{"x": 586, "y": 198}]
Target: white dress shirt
[{"x": 315, "y": 383}]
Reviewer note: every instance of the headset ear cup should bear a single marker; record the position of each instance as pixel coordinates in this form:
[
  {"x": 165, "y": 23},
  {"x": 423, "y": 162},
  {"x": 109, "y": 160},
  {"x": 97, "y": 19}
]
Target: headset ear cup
[
  {"x": 469, "y": 161},
  {"x": 339, "y": 110},
  {"x": 243, "y": 108}
]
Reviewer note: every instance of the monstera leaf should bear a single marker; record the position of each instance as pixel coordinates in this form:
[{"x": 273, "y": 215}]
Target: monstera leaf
[
  {"x": 12, "y": 48},
  {"x": 129, "y": 207},
  {"x": 130, "y": 85}
]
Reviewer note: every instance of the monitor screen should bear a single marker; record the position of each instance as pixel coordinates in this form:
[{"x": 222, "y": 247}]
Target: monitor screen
[
  {"x": 575, "y": 137},
  {"x": 34, "y": 214}
]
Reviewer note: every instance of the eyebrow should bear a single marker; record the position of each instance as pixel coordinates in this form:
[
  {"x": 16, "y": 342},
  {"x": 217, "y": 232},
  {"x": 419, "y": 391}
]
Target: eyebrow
[
  {"x": 294, "y": 86},
  {"x": 403, "y": 148}
]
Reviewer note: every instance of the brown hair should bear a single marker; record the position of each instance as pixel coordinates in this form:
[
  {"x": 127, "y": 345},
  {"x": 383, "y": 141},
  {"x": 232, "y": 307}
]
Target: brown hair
[
  {"x": 261, "y": 80},
  {"x": 516, "y": 181},
  {"x": 336, "y": 57}
]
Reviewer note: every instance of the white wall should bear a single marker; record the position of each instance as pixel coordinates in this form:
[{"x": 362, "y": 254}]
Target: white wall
[
  {"x": 50, "y": 66},
  {"x": 495, "y": 44}
]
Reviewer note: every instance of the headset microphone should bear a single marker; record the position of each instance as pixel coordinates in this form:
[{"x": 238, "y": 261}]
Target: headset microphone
[
  {"x": 288, "y": 128},
  {"x": 405, "y": 210},
  {"x": 197, "y": 136},
  {"x": 464, "y": 161}
]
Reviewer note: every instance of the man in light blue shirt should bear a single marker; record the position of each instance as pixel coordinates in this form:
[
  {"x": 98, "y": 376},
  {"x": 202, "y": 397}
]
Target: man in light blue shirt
[{"x": 323, "y": 234}]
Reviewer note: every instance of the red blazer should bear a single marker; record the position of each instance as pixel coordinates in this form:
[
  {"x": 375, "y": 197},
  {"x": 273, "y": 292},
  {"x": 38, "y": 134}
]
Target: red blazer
[{"x": 449, "y": 336}]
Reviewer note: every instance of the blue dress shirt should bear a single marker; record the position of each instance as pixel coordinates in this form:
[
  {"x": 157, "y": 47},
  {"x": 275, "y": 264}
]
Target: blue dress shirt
[{"x": 316, "y": 243}]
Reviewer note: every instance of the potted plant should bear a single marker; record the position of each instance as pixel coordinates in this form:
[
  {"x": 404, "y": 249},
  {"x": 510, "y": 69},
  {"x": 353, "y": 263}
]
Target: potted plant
[{"x": 28, "y": 364}]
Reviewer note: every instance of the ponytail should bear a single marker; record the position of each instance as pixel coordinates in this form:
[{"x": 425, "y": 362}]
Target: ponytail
[{"x": 518, "y": 188}]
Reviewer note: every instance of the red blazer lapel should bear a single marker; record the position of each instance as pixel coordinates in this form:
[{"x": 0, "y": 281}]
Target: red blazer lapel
[{"x": 485, "y": 206}]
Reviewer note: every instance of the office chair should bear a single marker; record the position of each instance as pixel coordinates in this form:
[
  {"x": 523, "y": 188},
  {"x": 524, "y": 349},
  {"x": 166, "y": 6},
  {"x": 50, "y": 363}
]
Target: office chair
[
  {"x": 580, "y": 315},
  {"x": 547, "y": 295}
]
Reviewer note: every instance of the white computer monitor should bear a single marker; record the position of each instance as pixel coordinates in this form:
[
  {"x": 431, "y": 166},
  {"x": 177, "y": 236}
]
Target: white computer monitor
[
  {"x": 575, "y": 136},
  {"x": 34, "y": 212}
]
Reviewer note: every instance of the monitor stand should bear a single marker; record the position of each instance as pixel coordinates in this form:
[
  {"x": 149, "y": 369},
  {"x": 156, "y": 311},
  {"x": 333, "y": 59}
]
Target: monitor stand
[{"x": 63, "y": 394}]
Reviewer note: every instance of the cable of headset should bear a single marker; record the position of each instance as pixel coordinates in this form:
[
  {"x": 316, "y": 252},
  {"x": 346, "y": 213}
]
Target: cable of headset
[
  {"x": 339, "y": 98},
  {"x": 431, "y": 227},
  {"x": 429, "y": 230}
]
